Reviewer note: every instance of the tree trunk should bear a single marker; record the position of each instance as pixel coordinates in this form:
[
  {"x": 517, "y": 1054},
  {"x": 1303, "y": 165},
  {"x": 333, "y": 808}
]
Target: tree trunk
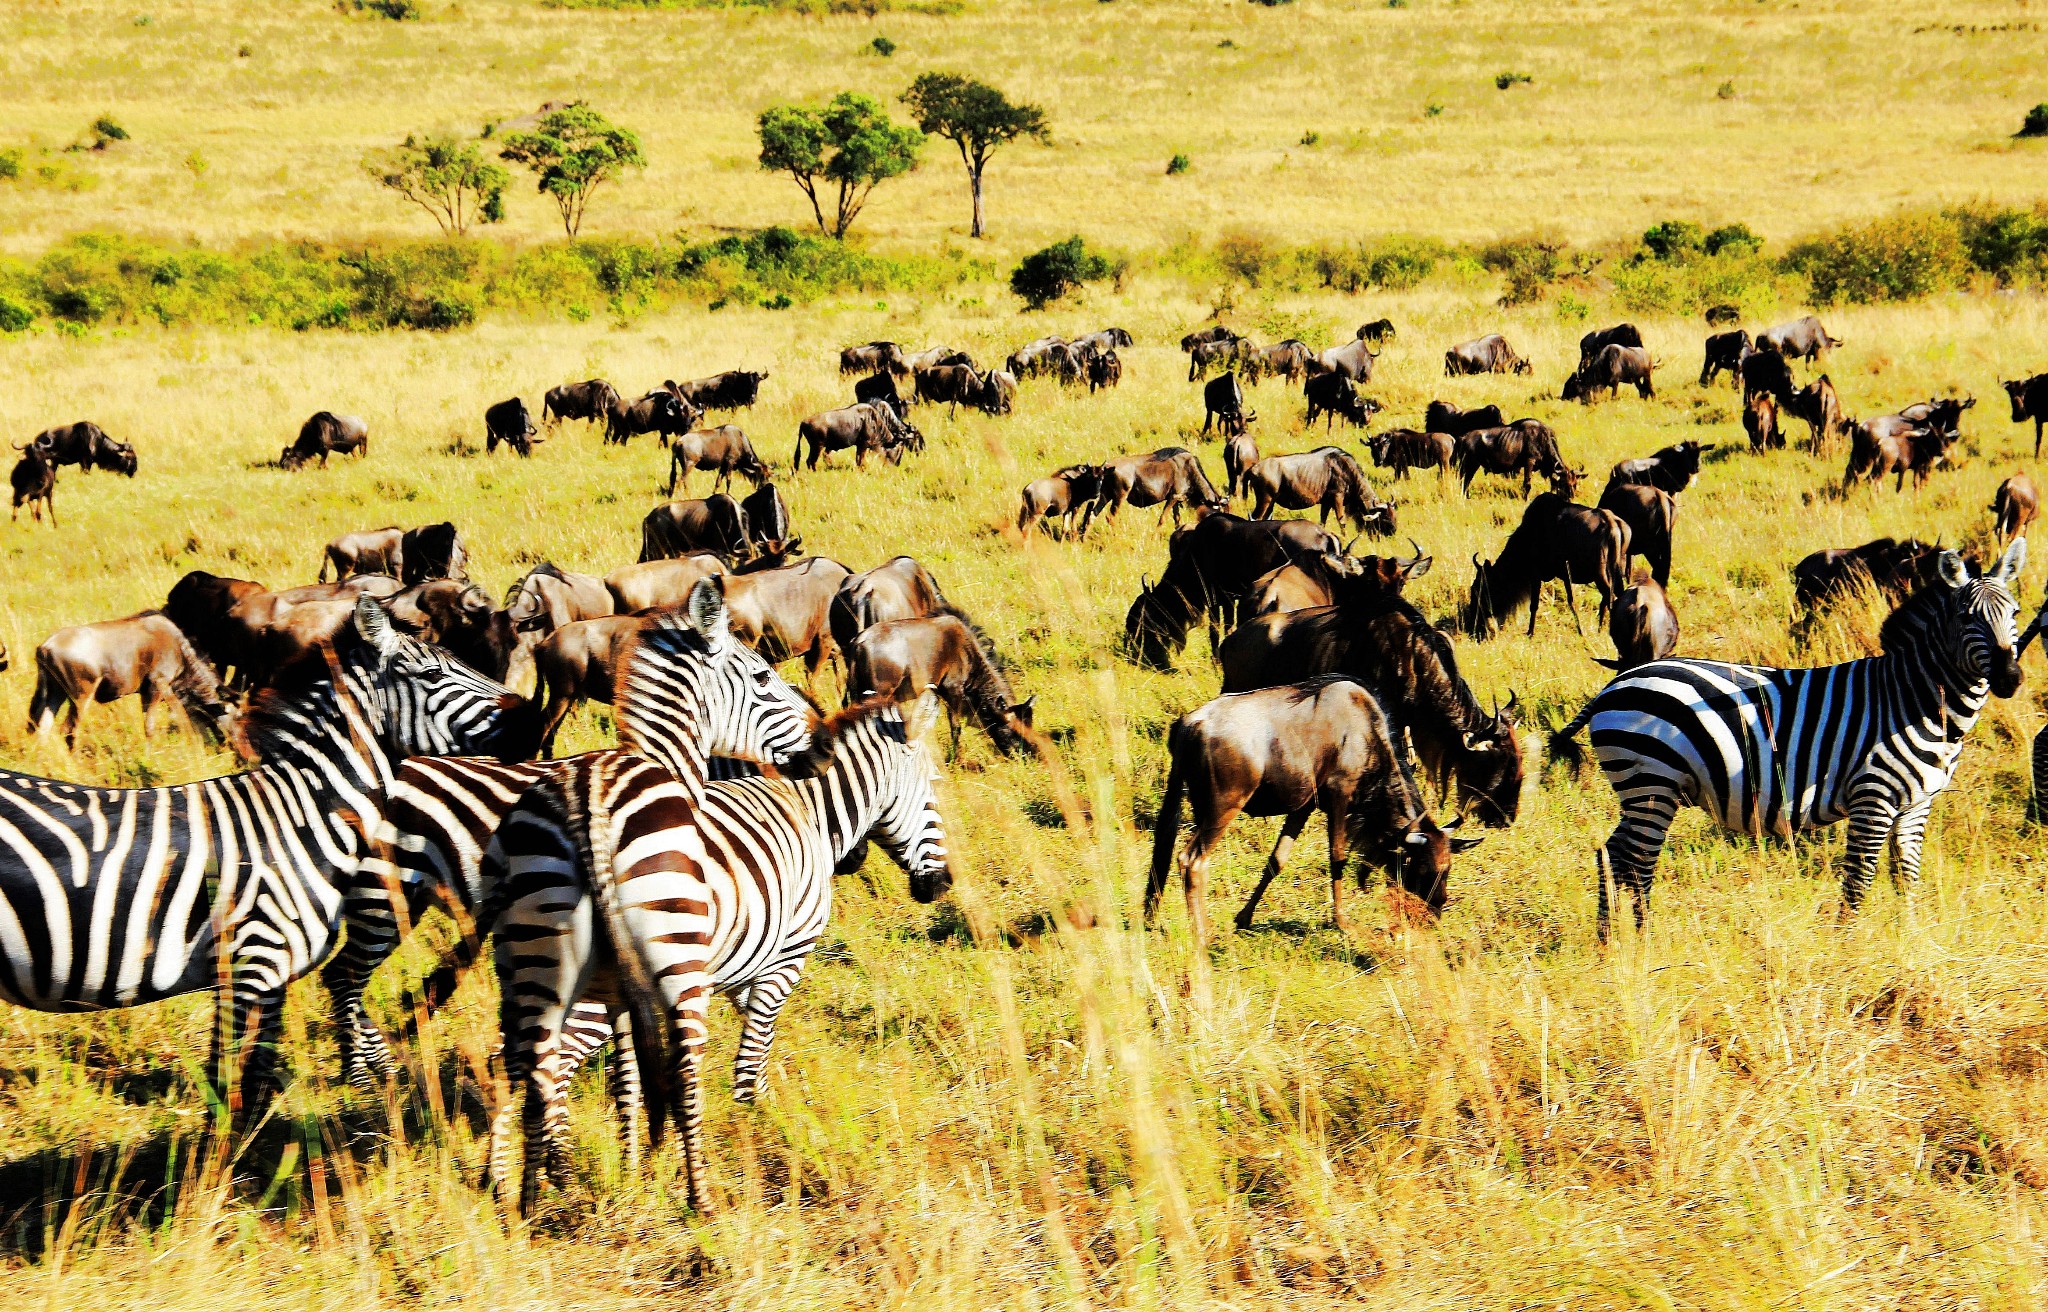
[{"x": 974, "y": 184}]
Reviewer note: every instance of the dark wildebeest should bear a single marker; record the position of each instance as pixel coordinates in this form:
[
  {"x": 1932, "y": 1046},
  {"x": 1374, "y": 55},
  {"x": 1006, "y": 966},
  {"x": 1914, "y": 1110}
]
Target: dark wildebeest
[
  {"x": 459, "y": 619},
  {"x": 1212, "y": 568},
  {"x": 1895, "y": 569},
  {"x": 591, "y": 399},
  {"x": 1105, "y": 369},
  {"x": 1893, "y": 444},
  {"x": 722, "y": 451},
  {"x": 881, "y": 389},
  {"x": 953, "y": 384},
  {"x": 1223, "y": 398},
  {"x": 509, "y": 422},
  {"x": 199, "y": 604},
  {"x": 1030, "y": 360},
  {"x": 1320, "y": 745},
  {"x": 1621, "y": 334},
  {"x": 769, "y": 526},
  {"x": 1104, "y": 341},
  {"x": 35, "y": 483},
  {"x": 1210, "y": 353},
  {"x": 1610, "y": 370},
  {"x": 1055, "y": 499},
  {"x": 268, "y": 631},
  {"x": 937, "y": 356},
  {"x": 432, "y": 551},
  {"x": 1760, "y": 422},
  {"x": 1673, "y": 468},
  {"x": 787, "y": 612},
  {"x": 1799, "y": 339},
  {"x": 1215, "y": 332},
  {"x": 660, "y": 412},
  {"x": 1526, "y": 447},
  {"x": 1379, "y": 330},
  {"x": 1944, "y": 414},
  {"x": 1724, "y": 355},
  {"x": 372, "y": 551},
  {"x": 1720, "y": 314},
  {"x": 998, "y": 395},
  {"x": 1331, "y": 579},
  {"x": 1821, "y": 408},
  {"x": 1331, "y": 396},
  {"x": 735, "y": 389},
  {"x": 144, "y": 655},
  {"x": 1764, "y": 370},
  {"x": 1443, "y": 417},
  {"x": 863, "y": 428},
  {"x": 1403, "y": 449},
  {"x": 2029, "y": 401},
  {"x": 1555, "y": 540},
  {"x": 86, "y": 445},
  {"x": 1642, "y": 626},
  {"x": 901, "y": 659},
  {"x": 1328, "y": 479},
  {"x": 2015, "y": 505},
  {"x": 579, "y": 662},
  {"x": 1240, "y": 453},
  {"x": 326, "y": 433},
  {"x": 681, "y": 528},
  {"x": 1490, "y": 354},
  {"x": 1352, "y": 360},
  {"x": 1289, "y": 360},
  {"x": 897, "y": 589},
  {"x": 873, "y": 358},
  {"x": 1168, "y": 478},
  {"x": 1650, "y": 513},
  {"x": 659, "y": 584}
]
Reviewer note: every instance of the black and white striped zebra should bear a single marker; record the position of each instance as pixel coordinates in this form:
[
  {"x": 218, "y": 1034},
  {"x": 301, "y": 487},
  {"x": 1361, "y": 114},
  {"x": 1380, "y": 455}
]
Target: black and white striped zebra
[
  {"x": 2037, "y": 808},
  {"x": 1772, "y": 752},
  {"x": 623, "y": 892},
  {"x": 114, "y": 897}
]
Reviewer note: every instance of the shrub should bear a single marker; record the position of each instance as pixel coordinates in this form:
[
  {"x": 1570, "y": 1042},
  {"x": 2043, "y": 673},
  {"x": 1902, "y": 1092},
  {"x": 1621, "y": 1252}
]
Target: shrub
[
  {"x": 2035, "y": 124},
  {"x": 1733, "y": 239},
  {"x": 1045, "y": 276},
  {"x": 1177, "y": 165},
  {"x": 2009, "y": 244},
  {"x": 11, "y": 158},
  {"x": 1311, "y": 138},
  {"x": 1529, "y": 265},
  {"x": 1246, "y": 255},
  {"x": 1892, "y": 259},
  {"x": 14, "y": 316},
  {"x": 882, "y": 46},
  {"x": 106, "y": 130},
  {"x": 1398, "y": 263},
  {"x": 1726, "y": 91},
  {"x": 1503, "y": 80},
  {"x": 1674, "y": 239}
]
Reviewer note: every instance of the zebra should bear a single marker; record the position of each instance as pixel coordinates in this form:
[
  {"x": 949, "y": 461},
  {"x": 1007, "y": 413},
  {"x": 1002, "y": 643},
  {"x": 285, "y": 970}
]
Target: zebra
[
  {"x": 1770, "y": 751},
  {"x": 725, "y": 897},
  {"x": 690, "y": 689},
  {"x": 120, "y": 897},
  {"x": 2037, "y": 809}
]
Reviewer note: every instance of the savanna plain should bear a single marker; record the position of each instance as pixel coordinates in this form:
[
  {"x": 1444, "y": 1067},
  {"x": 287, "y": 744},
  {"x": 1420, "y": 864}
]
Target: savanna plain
[{"x": 1020, "y": 1097}]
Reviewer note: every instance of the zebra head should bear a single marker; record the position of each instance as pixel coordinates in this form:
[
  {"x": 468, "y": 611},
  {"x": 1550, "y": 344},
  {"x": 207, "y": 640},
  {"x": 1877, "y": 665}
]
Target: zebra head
[
  {"x": 1983, "y": 629},
  {"x": 907, "y": 823},
  {"x": 692, "y": 690}
]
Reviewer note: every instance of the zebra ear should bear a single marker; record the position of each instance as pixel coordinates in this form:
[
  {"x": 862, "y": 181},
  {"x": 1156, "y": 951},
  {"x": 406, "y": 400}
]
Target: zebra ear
[
  {"x": 2010, "y": 565},
  {"x": 374, "y": 623},
  {"x": 707, "y": 613},
  {"x": 1955, "y": 571}
]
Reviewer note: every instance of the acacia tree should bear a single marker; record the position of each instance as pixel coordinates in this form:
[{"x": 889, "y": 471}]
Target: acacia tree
[
  {"x": 572, "y": 151},
  {"x": 447, "y": 177},
  {"x": 850, "y": 145},
  {"x": 975, "y": 117}
]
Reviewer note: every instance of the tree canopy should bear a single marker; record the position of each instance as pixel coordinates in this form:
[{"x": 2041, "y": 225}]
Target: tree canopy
[
  {"x": 572, "y": 151},
  {"x": 977, "y": 118},
  {"x": 446, "y": 176},
  {"x": 850, "y": 146}
]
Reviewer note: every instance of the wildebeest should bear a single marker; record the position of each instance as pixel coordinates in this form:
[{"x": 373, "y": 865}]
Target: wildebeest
[
  {"x": 1328, "y": 479},
  {"x": 1821, "y": 408},
  {"x": 1764, "y": 370},
  {"x": 265, "y": 632},
  {"x": 2029, "y": 398},
  {"x": 1893, "y": 444},
  {"x": 1289, "y": 360},
  {"x": 1055, "y": 499},
  {"x": 326, "y": 433},
  {"x": 1526, "y": 447},
  {"x": 1240, "y": 453},
  {"x": 998, "y": 395},
  {"x": 769, "y": 526},
  {"x": 953, "y": 384},
  {"x": 1215, "y": 332},
  {"x": 1331, "y": 396},
  {"x": 659, "y": 584},
  {"x": 1352, "y": 360},
  {"x": 881, "y": 389},
  {"x": 660, "y": 412},
  {"x": 1720, "y": 314},
  {"x": 1403, "y": 449},
  {"x": 1798, "y": 339},
  {"x": 1650, "y": 513},
  {"x": 935, "y": 357},
  {"x": 864, "y": 428},
  {"x": 897, "y": 589},
  {"x": 545, "y": 599},
  {"x": 1321, "y": 745},
  {"x": 1895, "y": 569},
  {"x": 1212, "y": 567},
  {"x": 1944, "y": 414},
  {"x": 2015, "y": 505},
  {"x": 1621, "y": 334},
  {"x": 1490, "y": 354},
  {"x": 1642, "y": 626},
  {"x": 1724, "y": 355},
  {"x": 579, "y": 662},
  {"x": 873, "y": 358},
  {"x": 722, "y": 451},
  {"x": 1611, "y": 368},
  {"x": 371, "y": 551},
  {"x": 901, "y": 659},
  {"x": 143, "y": 655},
  {"x": 593, "y": 398},
  {"x": 1206, "y": 354},
  {"x": 1105, "y": 369},
  {"x": 1223, "y": 399},
  {"x": 1556, "y": 540},
  {"x": 1673, "y": 468},
  {"x": 1443, "y": 417},
  {"x": 735, "y": 389},
  {"x": 1046, "y": 355},
  {"x": 432, "y": 551},
  {"x": 458, "y": 618},
  {"x": 1332, "y": 579},
  {"x": 1103, "y": 341},
  {"x": 787, "y": 612},
  {"x": 1169, "y": 478},
  {"x": 509, "y": 422},
  {"x": 199, "y": 604},
  {"x": 681, "y": 528},
  {"x": 35, "y": 483},
  {"x": 86, "y": 445},
  {"x": 1379, "y": 330},
  {"x": 1760, "y": 422}
]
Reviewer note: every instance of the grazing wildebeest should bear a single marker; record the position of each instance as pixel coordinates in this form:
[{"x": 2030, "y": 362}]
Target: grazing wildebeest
[
  {"x": 660, "y": 412},
  {"x": 591, "y": 399},
  {"x": 659, "y": 584},
  {"x": 1324, "y": 745},
  {"x": 1215, "y": 332},
  {"x": 735, "y": 389},
  {"x": 1331, "y": 396},
  {"x": 1611, "y": 369},
  {"x": 1621, "y": 334},
  {"x": 1490, "y": 354},
  {"x": 1556, "y": 540},
  {"x": 1673, "y": 468},
  {"x": 1764, "y": 370},
  {"x": 1168, "y": 478},
  {"x": 432, "y": 551},
  {"x": 1055, "y": 499},
  {"x": 953, "y": 384},
  {"x": 862, "y": 428},
  {"x": 1046, "y": 355},
  {"x": 1724, "y": 355},
  {"x": 2015, "y": 505},
  {"x": 1209, "y": 353},
  {"x": 681, "y": 528},
  {"x": 1332, "y": 579},
  {"x": 896, "y": 589},
  {"x": 873, "y": 358},
  {"x": 1642, "y": 626},
  {"x": 1821, "y": 408},
  {"x": 144, "y": 655},
  {"x": 579, "y": 662},
  {"x": 769, "y": 526},
  {"x": 1289, "y": 360},
  {"x": 1105, "y": 369},
  {"x": 1895, "y": 569},
  {"x": 509, "y": 422},
  {"x": 998, "y": 395},
  {"x": 1104, "y": 341},
  {"x": 787, "y": 612},
  {"x": 1352, "y": 360},
  {"x": 901, "y": 659},
  {"x": 1443, "y": 417},
  {"x": 1212, "y": 568},
  {"x": 1240, "y": 453},
  {"x": 1650, "y": 513},
  {"x": 936, "y": 357},
  {"x": 199, "y": 604},
  {"x": 1760, "y": 422},
  {"x": 1720, "y": 314},
  {"x": 1799, "y": 339},
  {"x": 35, "y": 482},
  {"x": 1379, "y": 330},
  {"x": 372, "y": 551},
  {"x": 2029, "y": 401},
  {"x": 1526, "y": 447},
  {"x": 880, "y": 389},
  {"x": 1328, "y": 479},
  {"x": 1403, "y": 449},
  {"x": 722, "y": 451},
  {"x": 86, "y": 445},
  {"x": 1223, "y": 398},
  {"x": 324, "y": 434},
  {"x": 1893, "y": 444}
]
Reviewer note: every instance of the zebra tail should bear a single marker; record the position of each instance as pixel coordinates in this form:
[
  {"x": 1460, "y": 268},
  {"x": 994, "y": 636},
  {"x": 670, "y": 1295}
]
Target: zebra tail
[
  {"x": 1565, "y": 749},
  {"x": 1166, "y": 829}
]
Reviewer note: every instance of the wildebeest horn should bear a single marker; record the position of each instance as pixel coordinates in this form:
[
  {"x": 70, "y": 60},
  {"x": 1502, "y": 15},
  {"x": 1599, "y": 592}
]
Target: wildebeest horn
[
  {"x": 1352, "y": 543},
  {"x": 1475, "y": 561}
]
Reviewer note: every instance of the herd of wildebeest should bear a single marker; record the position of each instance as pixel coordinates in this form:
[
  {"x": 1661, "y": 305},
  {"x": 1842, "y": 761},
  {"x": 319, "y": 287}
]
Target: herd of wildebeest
[{"x": 1340, "y": 695}]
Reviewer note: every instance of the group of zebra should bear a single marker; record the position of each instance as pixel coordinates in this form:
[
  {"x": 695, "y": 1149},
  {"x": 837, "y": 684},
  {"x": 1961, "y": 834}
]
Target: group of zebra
[{"x": 619, "y": 890}]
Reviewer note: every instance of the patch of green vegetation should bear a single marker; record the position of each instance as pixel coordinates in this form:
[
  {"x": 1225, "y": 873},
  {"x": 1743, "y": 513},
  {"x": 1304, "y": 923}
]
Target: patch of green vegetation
[{"x": 1045, "y": 276}]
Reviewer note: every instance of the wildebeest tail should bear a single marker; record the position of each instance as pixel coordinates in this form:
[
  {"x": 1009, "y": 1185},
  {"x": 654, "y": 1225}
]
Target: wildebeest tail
[
  {"x": 49, "y": 693},
  {"x": 1166, "y": 829}
]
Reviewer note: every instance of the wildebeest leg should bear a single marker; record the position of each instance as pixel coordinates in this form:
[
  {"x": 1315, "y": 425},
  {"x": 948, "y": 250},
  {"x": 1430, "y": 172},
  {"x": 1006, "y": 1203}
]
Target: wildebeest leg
[
  {"x": 1290, "y": 829},
  {"x": 2037, "y": 439},
  {"x": 1194, "y": 865},
  {"x": 1570, "y": 603},
  {"x": 1535, "y": 596}
]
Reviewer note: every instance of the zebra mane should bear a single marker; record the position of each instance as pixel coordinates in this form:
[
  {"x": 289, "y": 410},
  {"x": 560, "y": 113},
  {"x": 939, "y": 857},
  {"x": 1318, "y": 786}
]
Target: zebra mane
[
  {"x": 303, "y": 688},
  {"x": 667, "y": 640},
  {"x": 1923, "y": 612}
]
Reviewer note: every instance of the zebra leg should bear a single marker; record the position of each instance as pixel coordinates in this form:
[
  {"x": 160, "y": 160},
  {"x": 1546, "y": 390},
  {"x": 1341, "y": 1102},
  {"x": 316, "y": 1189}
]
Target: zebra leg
[
  {"x": 244, "y": 1061},
  {"x": 1872, "y": 818},
  {"x": 1907, "y": 836},
  {"x": 687, "y": 1017},
  {"x": 764, "y": 1002},
  {"x": 1629, "y": 857},
  {"x": 627, "y": 1098},
  {"x": 585, "y": 1030}
]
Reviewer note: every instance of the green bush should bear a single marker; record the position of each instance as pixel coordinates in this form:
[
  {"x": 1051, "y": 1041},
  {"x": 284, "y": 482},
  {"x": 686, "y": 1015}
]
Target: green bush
[
  {"x": 1177, "y": 165},
  {"x": 1733, "y": 239},
  {"x": 2035, "y": 124},
  {"x": 1528, "y": 266},
  {"x": 1045, "y": 276},
  {"x": 1503, "y": 80},
  {"x": 1398, "y": 263},
  {"x": 1674, "y": 239},
  {"x": 882, "y": 46},
  {"x": 14, "y": 316},
  {"x": 2009, "y": 244},
  {"x": 11, "y": 158},
  {"x": 1892, "y": 259}
]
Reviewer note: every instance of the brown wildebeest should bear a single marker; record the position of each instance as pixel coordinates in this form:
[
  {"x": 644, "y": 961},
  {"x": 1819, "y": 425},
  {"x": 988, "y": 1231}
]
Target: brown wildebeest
[
  {"x": 1290, "y": 360},
  {"x": 1650, "y": 513},
  {"x": 1556, "y": 540},
  {"x": 1673, "y": 468},
  {"x": 1055, "y": 499},
  {"x": 1215, "y": 332},
  {"x": 199, "y": 604},
  {"x": 659, "y": 584},
  {"x": 544, "y": 600},
  {"x": 592, "y": 399},
  {"x": 1821, "y": 408},
  {"x": 327, "y": 433},
  {"x": 1443, "y": 417},
  {"x": 1205, "y": 354},
  {"x": 2015, "y": 505},
  {"x": 267, "y": 631},
  {"x": 1764, "y": 370},
  {"x": 1169, "y": 478},
  {"x": 898, "y": 589},
  {"x": 1212, "y": 567},
  {"x": 998, "y": 395},
  {"x": 1613, "y": 368},
  {"x": 1332, "y": 579},
  {"x": 1105, "y": 369},
  {"x": 86, "y": 445},
  {"x": 144, "y": 655},
  {"x": 579, "y": 662},
  {"x": 1379, "y": 330},
  {"x": 2029, "y": 397},
  {"x": 371, "y": 551},
  {"x": 1724, "y": 352},
  {"x": 1403, "y": 449},
  {"x": 35, "y": 483},
  {"x": 1760, "y": 422},
  {"x": 1896, "y": 569},
  {"x": 1223, "y": 399},
  {"x": 1034, "y": 358},
  {"x": 864, "y": 428},
  {"x": 1324, "y": 744},
  {"x": 1720, "y": 314},
  {"x": 901, "y": 659},
  {"x": 678, "y": 528},
  {"x": 1798, "y": 339},
  {"x": 735, "y": 389},
  {"x": 1353, "y": 360},
  {"x": 1490, "y": 354},
  {"x": 1621, "y": 334},
  {"x": 432, "y": 551},
  {"x": 953, "y": 385},
  {"x": 1892, "y": 444},
  {"x": 1331, "y": 396},
  {"x": 458, "y": 618},
  {"x": 1526, "y": 447},
  {"x": 509, "y": 422},
  {"x": 1240, "y": 453},
  {"x": 1642, "y": 625},
  {"x": 1328, "y": 479},
  {"x": 873, "y": 358},
  {"x": 935, "y": 357},
  {"x": 880, "y": 389},
  {"x": 768, "y": 522},
  {"x": 785, "y": 613},
  {"x": 661, "y": 412},
  {"x": 1944, "y": 414},
  {"x": 722, "y": 451}
]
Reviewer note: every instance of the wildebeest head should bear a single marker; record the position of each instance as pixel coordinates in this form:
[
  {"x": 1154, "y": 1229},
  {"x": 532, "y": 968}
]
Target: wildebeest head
[
  {"x": 1574, "y": 386},
  {"x": 1421, "y": 858},
  {"x": 2016, "y": 392},
  {"x": 290, "y": 458},
  {"x": 1522, "y": 366},
  {"x": 1489, "y": 769},
  {"x": 1476, "y": 616},
  {"x": 1156, "y": 626}
]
